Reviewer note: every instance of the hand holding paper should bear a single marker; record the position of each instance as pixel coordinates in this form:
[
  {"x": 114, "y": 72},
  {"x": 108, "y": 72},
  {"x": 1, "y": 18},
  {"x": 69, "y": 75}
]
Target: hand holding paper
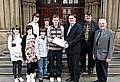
[{"x": 60, "y": 42}]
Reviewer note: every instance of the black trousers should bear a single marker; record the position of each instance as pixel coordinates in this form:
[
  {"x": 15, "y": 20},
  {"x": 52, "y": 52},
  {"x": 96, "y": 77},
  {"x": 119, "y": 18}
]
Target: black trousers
[
  {"x": 86, "y": 50},
  {"x": 102, "y": 70},
  {"x": 15, "y": 65},
  {"x": 74, "y": 67},
  {"x": 55, "y": 63},
  {"x": 31, "y": 67}
]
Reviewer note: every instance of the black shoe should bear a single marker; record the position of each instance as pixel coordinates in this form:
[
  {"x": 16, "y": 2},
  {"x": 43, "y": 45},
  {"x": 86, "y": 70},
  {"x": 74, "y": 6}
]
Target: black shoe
[
  {"x": 83, "y": 70},
  {"x": 46, "y": 77},
  {"x": 68, "y": 80},
  {"x": 90, "y": 71},
  {"x": 96, "y": 81}
]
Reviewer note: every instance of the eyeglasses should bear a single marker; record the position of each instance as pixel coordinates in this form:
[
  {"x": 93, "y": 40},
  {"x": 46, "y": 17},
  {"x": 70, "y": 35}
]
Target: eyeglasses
[{"x": 71, "y": 18}]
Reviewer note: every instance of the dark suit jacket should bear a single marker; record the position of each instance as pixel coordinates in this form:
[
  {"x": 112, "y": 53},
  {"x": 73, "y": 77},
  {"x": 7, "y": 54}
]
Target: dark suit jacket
[
  {"x": 91, "y": 37},
  {"x": 105, "y": 47},
  {"x": 73, "y": 39}
]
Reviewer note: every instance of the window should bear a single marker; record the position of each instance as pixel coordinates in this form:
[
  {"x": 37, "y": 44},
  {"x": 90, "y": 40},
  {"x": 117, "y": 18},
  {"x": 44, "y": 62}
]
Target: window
[
  {"x": 59, "y": 1},
  {"x": 75, "y": 1},
  {"x": 71, "y": 1}
]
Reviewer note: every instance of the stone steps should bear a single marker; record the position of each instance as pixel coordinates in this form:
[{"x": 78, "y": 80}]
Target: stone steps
[{"x": 6, "y": 65}]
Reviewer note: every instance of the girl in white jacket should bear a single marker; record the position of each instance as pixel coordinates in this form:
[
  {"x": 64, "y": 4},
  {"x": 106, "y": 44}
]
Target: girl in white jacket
[{"x": 14, "y": 46}]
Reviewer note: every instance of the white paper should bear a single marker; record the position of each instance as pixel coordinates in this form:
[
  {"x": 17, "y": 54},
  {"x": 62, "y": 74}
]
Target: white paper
[{"x": 59, "y": 42}]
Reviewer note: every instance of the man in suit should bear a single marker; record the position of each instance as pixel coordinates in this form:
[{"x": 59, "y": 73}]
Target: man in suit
[
  {"x": 89, "y": 27},
  {"x": 73, "y": 36},
  {"x": 103, "y": 49}
]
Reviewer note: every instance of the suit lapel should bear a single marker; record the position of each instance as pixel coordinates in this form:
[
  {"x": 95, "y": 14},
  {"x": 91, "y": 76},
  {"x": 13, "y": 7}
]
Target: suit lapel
[
  {"x": 104, "y": 33},
  {"x": 96, "y": 35},
  {"x": 71, "y": 29}
]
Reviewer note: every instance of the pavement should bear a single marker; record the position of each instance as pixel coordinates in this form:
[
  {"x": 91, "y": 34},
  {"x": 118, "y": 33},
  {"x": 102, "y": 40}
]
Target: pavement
[{"x": 82, "y": 79}]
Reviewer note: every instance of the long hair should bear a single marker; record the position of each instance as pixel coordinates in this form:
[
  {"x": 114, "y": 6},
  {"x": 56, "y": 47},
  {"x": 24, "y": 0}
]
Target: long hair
[{"x": 15, "y": 28}]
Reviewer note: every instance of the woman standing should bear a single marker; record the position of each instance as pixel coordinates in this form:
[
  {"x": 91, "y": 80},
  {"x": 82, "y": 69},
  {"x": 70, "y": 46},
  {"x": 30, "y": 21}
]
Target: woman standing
[
  {"x": 28, "y": 51},
  {"x": 14, "y": 46}
]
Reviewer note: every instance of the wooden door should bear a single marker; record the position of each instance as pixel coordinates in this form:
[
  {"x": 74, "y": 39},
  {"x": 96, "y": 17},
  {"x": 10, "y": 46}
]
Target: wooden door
[{"x": 48, "y": 11}]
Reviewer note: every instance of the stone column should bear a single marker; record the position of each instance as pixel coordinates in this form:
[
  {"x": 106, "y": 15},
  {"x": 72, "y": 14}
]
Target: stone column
[
  {"x": 96, "y": 11},
  {"x": 115, "y": 14},
  {"x": 2, "y": 19},
  {"x": 119, "y": 16},
  {"x": 104, "y": 13},
  {"x": 17, "y": 11},
  {"x": 93, "y": 10},
  {"x": 110, "y": 5},
  {"x": 7, "y": 14},
  {"x": 12, "y": 12}
]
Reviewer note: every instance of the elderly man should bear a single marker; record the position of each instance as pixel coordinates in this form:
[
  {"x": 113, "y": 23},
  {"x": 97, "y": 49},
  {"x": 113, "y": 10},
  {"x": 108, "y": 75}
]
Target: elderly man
[{"x": 103, "y": 50}]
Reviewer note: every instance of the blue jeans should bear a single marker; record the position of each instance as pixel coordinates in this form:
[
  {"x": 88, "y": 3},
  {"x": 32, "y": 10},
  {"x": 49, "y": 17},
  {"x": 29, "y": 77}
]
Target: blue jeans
[{"x": 42, "y": 66}]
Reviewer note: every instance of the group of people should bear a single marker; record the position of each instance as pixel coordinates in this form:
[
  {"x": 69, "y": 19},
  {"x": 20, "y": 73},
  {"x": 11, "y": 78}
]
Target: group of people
[{"x": 38, "y": 50}]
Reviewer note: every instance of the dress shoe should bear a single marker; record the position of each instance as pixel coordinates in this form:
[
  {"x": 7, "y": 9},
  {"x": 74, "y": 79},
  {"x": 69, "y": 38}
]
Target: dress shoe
[
  {"x": 90, "y": 71},
  {"x": 96, "y": 81},
  {"x": 68, "y": 80},
  {"x": 82, "y": 71}
]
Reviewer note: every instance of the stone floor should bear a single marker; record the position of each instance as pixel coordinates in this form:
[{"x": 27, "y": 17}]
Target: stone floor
[{"x": 82, "y": 79}]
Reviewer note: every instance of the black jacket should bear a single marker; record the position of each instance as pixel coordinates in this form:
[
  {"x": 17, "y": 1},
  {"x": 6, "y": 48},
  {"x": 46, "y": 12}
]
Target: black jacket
[
  {"x": 73, "y": 39},
  {"x": 89, "y": 43}
]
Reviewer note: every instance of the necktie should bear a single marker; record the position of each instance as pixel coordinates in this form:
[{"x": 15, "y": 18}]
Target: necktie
[
  {"x": 87, "y": 32},
  {"x": 99, "y": 35},
  {"x": 69, "y": 29}
]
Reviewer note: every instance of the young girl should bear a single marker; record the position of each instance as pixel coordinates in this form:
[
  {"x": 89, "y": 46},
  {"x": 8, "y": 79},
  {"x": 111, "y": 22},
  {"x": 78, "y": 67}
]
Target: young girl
[
  {"x": 14, "y": 46},
  {"x": 28, "y": 51},
  {"x": 41, "y": 52}
]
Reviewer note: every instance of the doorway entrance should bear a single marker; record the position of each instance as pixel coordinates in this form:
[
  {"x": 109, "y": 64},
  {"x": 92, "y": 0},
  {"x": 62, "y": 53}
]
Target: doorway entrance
[{"x": 46, "y": 8}]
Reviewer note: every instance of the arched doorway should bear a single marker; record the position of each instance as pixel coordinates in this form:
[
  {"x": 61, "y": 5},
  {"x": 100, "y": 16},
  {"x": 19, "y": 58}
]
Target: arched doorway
[{"x": 47, "y": 8}]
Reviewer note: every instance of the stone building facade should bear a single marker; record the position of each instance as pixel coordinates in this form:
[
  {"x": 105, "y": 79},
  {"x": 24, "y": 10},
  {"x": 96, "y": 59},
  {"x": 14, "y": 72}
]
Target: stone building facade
[{"x": 19, "y": 12}]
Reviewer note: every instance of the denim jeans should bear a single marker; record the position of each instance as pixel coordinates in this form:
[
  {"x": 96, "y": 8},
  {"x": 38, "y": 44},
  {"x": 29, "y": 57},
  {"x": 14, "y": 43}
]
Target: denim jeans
[
  {"x": 14, "y": 68},
  {"x": 55, "y": 62},
  {"x": 42, "y": 66}
]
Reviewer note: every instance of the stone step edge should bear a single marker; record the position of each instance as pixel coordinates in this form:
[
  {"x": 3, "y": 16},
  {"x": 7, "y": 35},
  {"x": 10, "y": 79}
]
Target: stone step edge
[
  {"x": 24, "y": 66},
  {"x": 64, "y": 57},
  {"x": 82, "y": 75}
]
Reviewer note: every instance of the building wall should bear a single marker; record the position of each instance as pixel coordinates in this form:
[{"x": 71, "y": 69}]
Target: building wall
[
  {"x": 14, "y": 12},
  {"x": 93, "y": 7},
  {"x": 111, "y": 11},
  {"x": 19, "y": 12}
]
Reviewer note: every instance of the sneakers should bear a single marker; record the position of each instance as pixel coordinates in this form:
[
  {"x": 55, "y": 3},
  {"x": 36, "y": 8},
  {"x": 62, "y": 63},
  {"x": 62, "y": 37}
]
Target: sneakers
[
  {"x": 21, "y": 79},
  {"x": 16, "y": 80},
  {"x": 51, "y": 79},
  {"x": 59, "y": 79}
]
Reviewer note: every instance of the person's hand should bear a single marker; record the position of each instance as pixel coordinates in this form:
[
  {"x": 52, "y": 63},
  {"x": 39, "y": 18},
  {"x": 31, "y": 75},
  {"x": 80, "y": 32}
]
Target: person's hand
[
  {"x": 66, "y": 45},
  {"x": 50, "y": 39},
  {"x": 108, "y": 60},
  {"x": 94, "y": 56}
]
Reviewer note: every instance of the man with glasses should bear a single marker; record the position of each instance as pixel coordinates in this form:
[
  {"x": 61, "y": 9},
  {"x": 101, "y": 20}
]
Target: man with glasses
[
  {"x": 103, "y": 49},
  {"x": 73, "y": 36}
]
